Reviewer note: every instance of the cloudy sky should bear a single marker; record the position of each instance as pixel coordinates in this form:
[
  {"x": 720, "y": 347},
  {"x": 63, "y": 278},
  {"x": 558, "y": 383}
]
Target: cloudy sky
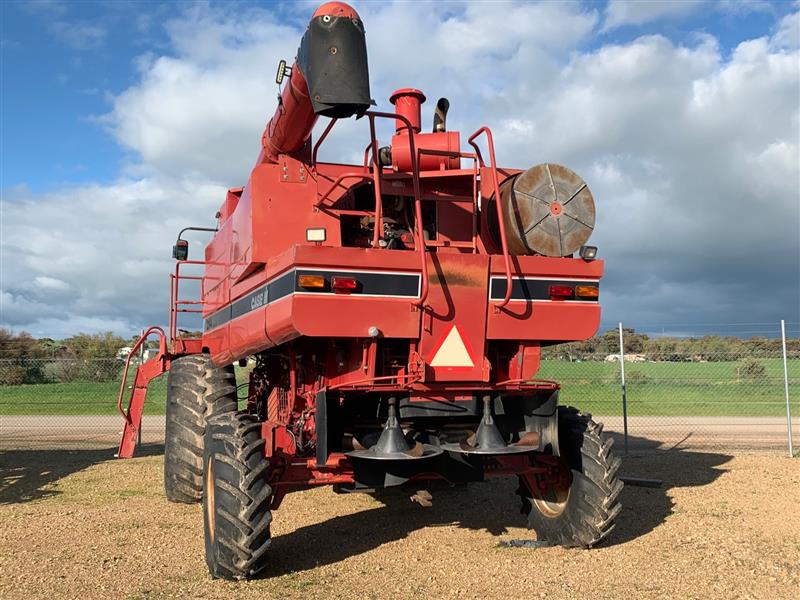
[{"x": 124, "y": 122}]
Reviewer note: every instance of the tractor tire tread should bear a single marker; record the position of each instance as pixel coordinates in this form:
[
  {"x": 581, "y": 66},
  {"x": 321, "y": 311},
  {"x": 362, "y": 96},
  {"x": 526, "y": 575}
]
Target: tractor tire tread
[
  {"x": 242, "y": 498},
  {"x": 593, "y": 503},
  {"x": 196, "y": 390}
]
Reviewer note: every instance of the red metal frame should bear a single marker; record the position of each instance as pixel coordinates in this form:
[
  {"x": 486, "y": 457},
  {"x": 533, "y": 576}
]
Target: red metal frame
[
  {"x": 175, "y": 301},
  {"x": 496, "y": 189},
  {"x": 145, "y": 373},
  {"x": 326, "y": 342},
  {"x": 297, "y": 473},
  {"x": 375, "y": 176}
]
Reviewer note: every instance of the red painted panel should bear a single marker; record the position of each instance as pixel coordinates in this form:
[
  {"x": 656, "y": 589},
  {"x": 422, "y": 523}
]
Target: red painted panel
[
  {"x": 351, "y": 316},
  {"x": 280, "y": 325},
  {"x": 248, "y": 334},
  {"x": 215, "y": 278},
  {"x": 545, "y": 266},
  {"x": 218, "y": 345},
  {"x": 284, "y": 208},
  {"x": 457, "y": 298},
  {"x": 240, "y": 239},
  {"x": 544, "y": 321},
  {"x": 345, "y": 258}
]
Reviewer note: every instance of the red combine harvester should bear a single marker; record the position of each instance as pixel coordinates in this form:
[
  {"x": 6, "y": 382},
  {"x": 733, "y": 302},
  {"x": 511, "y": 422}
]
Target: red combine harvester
[{"x": 395, "y": 311}]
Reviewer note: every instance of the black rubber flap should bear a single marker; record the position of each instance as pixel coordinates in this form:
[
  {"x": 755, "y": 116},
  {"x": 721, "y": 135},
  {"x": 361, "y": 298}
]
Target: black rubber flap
[{"x": 333, "y": 60}]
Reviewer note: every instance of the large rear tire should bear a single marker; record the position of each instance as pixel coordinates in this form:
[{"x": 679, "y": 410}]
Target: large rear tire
[
  {"x": 236, "y": 498},
  {"x": 578, "y": 509},
  {"x": 196, "y": 390}
]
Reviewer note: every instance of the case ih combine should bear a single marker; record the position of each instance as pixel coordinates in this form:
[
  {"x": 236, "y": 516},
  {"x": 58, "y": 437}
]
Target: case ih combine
[{"x": 395, "y": 309}]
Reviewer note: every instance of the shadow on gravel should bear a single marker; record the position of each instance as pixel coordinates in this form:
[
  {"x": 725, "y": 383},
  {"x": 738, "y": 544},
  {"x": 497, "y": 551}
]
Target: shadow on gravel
[
  {"x": 491, "y": 506},
  {"x": 24, "y": 474},
  {"x": 644, "y": 509}
]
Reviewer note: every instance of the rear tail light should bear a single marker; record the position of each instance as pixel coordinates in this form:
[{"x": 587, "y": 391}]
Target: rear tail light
[
  {"x": 560, "y": 292},
  {"x": 311, "y": 282},
  {"x": 344, "y": 285},
  {"x": 587, "y": 291}
]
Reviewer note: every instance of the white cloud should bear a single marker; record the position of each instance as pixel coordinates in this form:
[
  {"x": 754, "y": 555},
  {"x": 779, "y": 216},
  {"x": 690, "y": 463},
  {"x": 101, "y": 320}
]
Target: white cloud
[
  {"x": 692, "y": 155},
  {"x": 217, "y": 89},
  {"x": 631, "y": 12},
  {"x": 694, "y": 163},
  {"x": 788, "y": 32},
  {"x": 50, "y": 283},
  {"x": 96, "y": 255},
  {"x": 79, "y": 34}
]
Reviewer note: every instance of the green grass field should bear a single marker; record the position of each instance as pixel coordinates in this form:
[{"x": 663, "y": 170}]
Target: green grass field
[{"x": 690, "y": 389}]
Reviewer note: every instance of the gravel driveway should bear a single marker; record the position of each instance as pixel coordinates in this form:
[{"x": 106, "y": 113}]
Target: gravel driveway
[{"x": 78, "y": 525}]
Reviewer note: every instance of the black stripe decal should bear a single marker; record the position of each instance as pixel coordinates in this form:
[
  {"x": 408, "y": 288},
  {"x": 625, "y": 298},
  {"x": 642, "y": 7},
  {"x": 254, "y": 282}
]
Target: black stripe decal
[
  {"x": 375, "y": 284},
  {"x": 369, "y": 284},
  {"x": 535, "y": 289},
  {"x": 218, "y": 318}
]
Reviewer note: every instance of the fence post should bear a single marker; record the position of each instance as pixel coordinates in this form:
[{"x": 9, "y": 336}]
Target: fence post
[
  {"x": 786, "y": 390},
  {"x": 624, "y": 392}
]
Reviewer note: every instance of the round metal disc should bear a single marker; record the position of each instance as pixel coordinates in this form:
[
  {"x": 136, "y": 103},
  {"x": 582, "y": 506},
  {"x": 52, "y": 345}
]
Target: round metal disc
[
  {"x": 547, "y": 210},
  {"x": 418, "y": 452},
  {"x": 463, "y": 448}
]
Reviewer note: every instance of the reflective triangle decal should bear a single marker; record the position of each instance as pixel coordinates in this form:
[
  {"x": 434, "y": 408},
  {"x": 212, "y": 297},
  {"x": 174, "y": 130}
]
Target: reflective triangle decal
[{"x": 453, "y": 352}]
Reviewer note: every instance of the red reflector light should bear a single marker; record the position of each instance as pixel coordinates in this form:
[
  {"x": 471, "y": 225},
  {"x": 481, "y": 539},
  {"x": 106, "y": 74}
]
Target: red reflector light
[
  {"x": 560, "y": 292},
  {"x": 344, "y": 285}
]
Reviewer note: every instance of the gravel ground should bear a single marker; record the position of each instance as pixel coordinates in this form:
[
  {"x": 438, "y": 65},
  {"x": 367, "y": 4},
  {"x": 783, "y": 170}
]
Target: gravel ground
[{"x": 79, "y": 525}]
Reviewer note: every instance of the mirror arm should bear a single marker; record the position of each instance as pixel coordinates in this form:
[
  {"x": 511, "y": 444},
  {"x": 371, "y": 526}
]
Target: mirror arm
[{"x": 180, "y": 242}]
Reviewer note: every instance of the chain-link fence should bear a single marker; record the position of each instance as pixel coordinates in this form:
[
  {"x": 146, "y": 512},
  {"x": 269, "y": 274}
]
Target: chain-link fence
[
  {"x": 56, "y": 402},
  {"x": 724, "y": 400},
  {"x": 720, "y": 400}
]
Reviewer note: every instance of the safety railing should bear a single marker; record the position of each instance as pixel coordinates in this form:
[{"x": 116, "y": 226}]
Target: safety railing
[
  {"x": 338, "y": 181},
  {"x": 162, "y": 350},
  {"x": 496, "y": 189},
  {"x": 178, "y": 305},
  {"x": 375, "y": 174}
]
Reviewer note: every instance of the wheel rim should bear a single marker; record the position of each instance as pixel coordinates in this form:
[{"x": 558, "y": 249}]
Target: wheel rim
[
  {"x": 211, "y": 516},
  {"x": 550, "y": 492}
]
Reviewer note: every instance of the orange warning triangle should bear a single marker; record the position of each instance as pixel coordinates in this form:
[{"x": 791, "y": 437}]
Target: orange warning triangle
[{"x": 453, "y": 351}]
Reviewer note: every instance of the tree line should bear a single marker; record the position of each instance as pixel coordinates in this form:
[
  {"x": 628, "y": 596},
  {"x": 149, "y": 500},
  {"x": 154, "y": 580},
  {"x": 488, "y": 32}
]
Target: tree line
[
  {"x": 85, "y": 356},
  {"x": 711, "y": 348}
]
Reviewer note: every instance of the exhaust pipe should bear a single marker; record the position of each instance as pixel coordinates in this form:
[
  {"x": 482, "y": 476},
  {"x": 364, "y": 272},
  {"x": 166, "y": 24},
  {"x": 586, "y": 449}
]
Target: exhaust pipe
[{"x": 440, "y": 115}]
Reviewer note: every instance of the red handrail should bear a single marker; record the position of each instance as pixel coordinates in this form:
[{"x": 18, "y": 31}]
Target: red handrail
[
  {"x": 338, "y": 180},
  {"x": 373, "y": 380},
  {"x": 162, "y": 350},
  {"x": 376, "y": 174},
  {"x": 501, "y": 225},
  {"x": 174, "y": 299},
  {"x": 420, "y": 241},
  {"x": 376, "y": 179},
  {"x": 320, "y": 140}
]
